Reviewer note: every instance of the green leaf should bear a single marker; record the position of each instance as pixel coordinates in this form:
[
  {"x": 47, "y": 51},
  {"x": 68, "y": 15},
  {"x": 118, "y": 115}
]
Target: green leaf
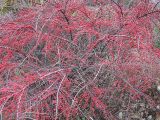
[
  {"x": 78, "y": 118},
  {"x": 156, "y": 30},
  {"x": 83, "y": 118},
  {"x": 17, "y": 72},
  {"x": 157, "y": 43}
]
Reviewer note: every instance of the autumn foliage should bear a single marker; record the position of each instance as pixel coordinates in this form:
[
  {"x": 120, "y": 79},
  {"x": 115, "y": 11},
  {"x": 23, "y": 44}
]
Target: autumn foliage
[{"x": 74, "y": 59}]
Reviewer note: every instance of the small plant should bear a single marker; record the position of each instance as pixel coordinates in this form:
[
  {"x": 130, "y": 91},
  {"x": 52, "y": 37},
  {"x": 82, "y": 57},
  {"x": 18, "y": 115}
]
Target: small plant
[
  {"x": 79, "y": 60},
  {"x": 7, "y": 6}
]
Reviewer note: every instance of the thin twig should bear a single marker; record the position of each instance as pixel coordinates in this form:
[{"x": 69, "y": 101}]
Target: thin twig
[
  {"x": 57, "y": 97},
  {"x": 86, "y": 85}
]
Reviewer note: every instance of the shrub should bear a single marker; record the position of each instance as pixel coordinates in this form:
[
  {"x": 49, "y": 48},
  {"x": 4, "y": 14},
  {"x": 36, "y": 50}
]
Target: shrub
[{"x": 71, "y": 59}]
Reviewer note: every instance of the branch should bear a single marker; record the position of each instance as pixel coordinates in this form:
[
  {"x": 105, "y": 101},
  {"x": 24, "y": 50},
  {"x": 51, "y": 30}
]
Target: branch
[
  {"x": 118, "y": 6},
  {"x": 67, "y": 20},
  {"x": 146, "y": 14}
]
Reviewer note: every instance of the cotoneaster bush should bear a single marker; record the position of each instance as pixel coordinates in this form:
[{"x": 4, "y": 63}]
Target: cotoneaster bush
[{"x": 77, "y": 59}]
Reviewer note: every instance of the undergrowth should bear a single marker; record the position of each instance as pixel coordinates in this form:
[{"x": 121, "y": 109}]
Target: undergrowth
[{"x": 74, "y": 59}]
